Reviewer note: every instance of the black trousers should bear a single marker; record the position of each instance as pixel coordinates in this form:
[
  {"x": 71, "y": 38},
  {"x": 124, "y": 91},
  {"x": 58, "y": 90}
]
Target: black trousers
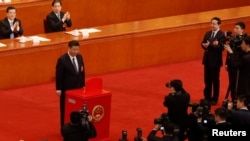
[
  {"x": 233, "y": 82},
  {"x": 62, "y": 108},
  {"x": 212, "y": 83}
]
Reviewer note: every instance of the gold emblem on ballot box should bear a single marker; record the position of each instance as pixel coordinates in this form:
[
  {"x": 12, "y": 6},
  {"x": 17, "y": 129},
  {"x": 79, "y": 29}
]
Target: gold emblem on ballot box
[{"x": 97, "y": 113}]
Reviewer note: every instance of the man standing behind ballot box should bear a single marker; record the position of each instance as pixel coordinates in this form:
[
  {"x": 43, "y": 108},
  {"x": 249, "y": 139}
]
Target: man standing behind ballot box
[
  {"x": 70, "y": 74},
  {"x": 57, "y": 20},
  {"x": 10, "y": 26}
]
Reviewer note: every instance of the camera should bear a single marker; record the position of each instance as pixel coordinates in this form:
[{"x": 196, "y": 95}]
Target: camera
[
  {"x": 226, "y": 102},
  {"x": 162, "y": 120},
  {"x": 234, "y": 41},
  {"x": 139, "y": 135},
  {"x": 84, "y": 115},
  {"x": 124, "y": 136}
]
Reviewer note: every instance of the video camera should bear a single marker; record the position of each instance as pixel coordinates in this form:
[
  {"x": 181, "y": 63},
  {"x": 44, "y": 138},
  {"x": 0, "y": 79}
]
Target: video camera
[
  {"x": 202, "y": 108},
  {"x": 163, "y": 119},
  {"x": 139, "y": 135},
  {"x": 234, "y": 41},
  {"x": 84, "y": 115},
  {"x": 124, "y": 136},
  {"x": 226, "y": 102}
]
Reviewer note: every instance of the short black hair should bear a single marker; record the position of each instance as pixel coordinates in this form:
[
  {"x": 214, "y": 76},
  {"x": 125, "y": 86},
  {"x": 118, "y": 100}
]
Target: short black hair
[
  {"x": 10, "y": 8},
  {"x": 73, "y": 43},
  {"x": 241, "y": 24},
  {"x": 56, "y": 1},
  {"x": 75, "y": 117},
  {"x": 221, "y": 112},
  {"x": 244, "y": 99},
  {"x": 217, "y": 19},
  {"x": 176, "y": 84}
]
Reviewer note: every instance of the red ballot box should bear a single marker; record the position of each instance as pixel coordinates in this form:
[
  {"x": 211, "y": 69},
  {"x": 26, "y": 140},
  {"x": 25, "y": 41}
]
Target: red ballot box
[{"x": 98, "y": 102}]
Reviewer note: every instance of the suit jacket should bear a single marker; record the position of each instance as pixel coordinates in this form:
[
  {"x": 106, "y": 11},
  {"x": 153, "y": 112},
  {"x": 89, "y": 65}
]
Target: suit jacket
[
  {"x": 213, "y": 54},
  {"x": 239, "y": 118},
  {"x": 5, "y": 29},
  {"x": 66, "y": 76},
  {"x": 56, "y": 25}
]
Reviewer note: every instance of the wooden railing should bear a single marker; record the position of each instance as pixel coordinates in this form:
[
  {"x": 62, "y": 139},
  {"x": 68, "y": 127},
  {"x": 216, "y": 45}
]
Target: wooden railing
[
  {"x": 89, "y": 13},
  {"x": 117, "y": 47}
]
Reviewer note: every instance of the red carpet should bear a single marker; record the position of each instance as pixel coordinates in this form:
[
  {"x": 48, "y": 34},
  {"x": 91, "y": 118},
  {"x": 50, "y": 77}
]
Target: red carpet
[{"x": 32, "y": 113}]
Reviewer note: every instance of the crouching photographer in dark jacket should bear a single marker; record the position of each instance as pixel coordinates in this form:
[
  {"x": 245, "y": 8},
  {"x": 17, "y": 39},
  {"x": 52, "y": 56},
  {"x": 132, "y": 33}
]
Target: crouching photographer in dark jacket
[
  {"x": 168, "y": 133},
  {"x": 76, "y": 131},
  {"x": 200, "y": 120},
  {"x": 177, "y": 102}
]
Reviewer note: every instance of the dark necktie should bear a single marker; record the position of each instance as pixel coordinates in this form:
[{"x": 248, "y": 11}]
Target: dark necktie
[
  {"x": 212, "y": 36},
  {"x": 74, "y": 65}
]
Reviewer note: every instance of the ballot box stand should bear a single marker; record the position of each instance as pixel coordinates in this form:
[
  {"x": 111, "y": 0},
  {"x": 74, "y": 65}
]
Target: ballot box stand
[{"x": 98, "y": 103}]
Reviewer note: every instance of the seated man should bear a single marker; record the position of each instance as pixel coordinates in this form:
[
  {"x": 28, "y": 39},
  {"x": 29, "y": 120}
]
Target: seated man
[
  {"x": 76, "y": 131},
  {"x": 57, "y": 20},
  {"x": 10, "y": 26}
]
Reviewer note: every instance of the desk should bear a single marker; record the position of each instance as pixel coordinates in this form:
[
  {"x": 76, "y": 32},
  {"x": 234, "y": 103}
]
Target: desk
[
  {"x": 117, "y": 47},
  {"x": 85, "y": 13}
]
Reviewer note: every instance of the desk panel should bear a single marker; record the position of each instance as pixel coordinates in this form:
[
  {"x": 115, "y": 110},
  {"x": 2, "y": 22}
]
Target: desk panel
[
  {"x": 117, "y": 47},
  {"x": 85, "y": 13}
]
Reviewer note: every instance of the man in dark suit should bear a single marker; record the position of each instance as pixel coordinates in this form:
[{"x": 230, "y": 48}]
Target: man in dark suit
[
  {"x": 213, "y": 46},
  {"x": 57, "y": 20},
  {"x": 10, "y": 26},
  {"x": 70, "y": 73}
]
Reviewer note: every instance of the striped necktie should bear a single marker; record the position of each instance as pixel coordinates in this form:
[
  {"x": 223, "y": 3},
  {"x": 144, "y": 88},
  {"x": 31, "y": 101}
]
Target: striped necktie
[
  {"x": 74, "y": 64},
  {"x": 12, "y": 33}
]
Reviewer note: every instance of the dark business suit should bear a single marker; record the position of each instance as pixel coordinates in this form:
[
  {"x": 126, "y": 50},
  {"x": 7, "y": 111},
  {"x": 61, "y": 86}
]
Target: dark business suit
[
  {"x": 5, "y": 29},
  {"x": 56, "y": 25},
  {"x": 212, "y": 61},
  {"x": 67, "y": 78},
  {"x": 239, "y": 117}
]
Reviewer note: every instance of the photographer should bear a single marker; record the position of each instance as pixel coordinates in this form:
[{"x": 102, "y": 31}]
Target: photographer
[
  {"x": 241, "y": 115},
  {"x": 75, "y": 131},
  {"x": 200, "y": 119},
  {"x": 177, "y": 106},
  {"x": 168, "y": 133},
  {"x": 234, "y": 42},
  {"x": 243, "y": 65}
]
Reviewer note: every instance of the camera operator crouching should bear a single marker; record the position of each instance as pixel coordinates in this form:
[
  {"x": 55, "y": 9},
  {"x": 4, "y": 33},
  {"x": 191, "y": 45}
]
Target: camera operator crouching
[
  {"x": 177, "y": 102},
  {"x": 80, "y": 127},
  {"x": 169, "y": 132},
  {"x": 200, "y": 120}
]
